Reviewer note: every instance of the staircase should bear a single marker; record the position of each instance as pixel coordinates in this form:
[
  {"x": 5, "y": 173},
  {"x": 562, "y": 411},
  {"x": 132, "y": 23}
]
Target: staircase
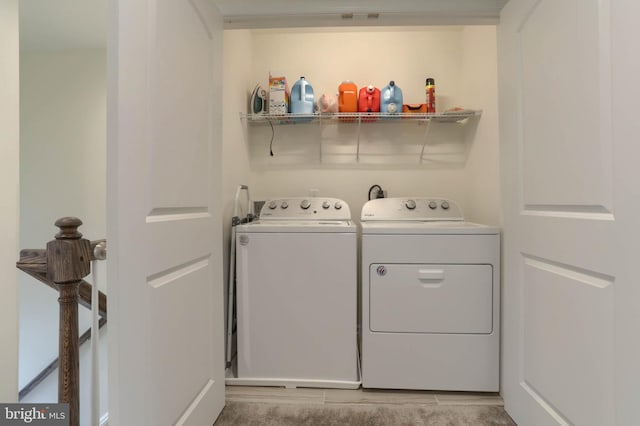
[{"x": 62, "y": 266}]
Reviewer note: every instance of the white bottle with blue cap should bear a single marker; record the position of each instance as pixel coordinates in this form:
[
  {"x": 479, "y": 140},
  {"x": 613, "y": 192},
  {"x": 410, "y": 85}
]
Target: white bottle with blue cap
[
  {"x": 302, "y": 99},
  {"x": 391, "y": 99}
]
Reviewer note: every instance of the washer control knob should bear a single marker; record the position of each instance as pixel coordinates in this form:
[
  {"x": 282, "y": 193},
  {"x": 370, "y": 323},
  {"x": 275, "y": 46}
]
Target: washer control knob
[
  {"x": 410, "y": 204},
  {"x": 272, "y": 205},
  {"x": 445, "y": 205},
  {"x": 284, "y": 205},
  {"x": 337, "y": 205},
  {"x": 326, "y": 205},
  {"x": 305, "y": 204},
  {"x": 433, "y": 205}
]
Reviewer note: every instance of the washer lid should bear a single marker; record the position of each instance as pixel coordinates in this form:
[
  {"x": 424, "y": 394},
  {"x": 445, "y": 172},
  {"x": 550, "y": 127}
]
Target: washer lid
[{"x": 427, "y": 228}]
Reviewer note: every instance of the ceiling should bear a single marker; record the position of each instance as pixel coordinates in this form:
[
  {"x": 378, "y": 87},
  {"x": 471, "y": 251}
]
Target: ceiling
[
  {"x": 70, "y": 24},
  {"x": 307, "y": 13}
]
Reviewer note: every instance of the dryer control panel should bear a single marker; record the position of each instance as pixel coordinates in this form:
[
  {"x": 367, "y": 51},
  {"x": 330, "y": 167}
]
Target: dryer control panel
[
  {"x": 305, "y": 208},
  {"x": 411, "y": 209}
]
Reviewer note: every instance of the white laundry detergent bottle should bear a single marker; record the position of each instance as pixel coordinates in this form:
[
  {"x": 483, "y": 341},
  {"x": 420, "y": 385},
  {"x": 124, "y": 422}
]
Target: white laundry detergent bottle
[
  {"x": 302, "y": 99},
  {"x": 391, "y": 99}
]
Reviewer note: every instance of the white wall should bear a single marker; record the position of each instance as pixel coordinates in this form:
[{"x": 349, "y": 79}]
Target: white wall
[
  {"x": 63, "y": 142},
  {"x": 63, "y": 173},
  {"x": 9, "y": 155},
  {"x": 326, "y": 57},
  {"x": 479, "y": 84},
  {"x": 462, "y": 61}
]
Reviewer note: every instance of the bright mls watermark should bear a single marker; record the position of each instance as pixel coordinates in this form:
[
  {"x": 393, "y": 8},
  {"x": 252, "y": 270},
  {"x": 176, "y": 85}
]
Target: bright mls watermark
[{"x": 34, "y": 414}]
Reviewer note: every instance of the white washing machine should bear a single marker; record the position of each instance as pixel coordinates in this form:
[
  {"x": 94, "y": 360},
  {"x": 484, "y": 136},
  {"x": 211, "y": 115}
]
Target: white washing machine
[
  {"x": 430, "y": 297},
  {"x": 297, "y": 296}
]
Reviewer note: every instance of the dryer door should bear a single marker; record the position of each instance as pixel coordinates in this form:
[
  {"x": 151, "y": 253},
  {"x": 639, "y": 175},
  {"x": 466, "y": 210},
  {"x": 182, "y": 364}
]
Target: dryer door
[{"x": 428, "y": 298}]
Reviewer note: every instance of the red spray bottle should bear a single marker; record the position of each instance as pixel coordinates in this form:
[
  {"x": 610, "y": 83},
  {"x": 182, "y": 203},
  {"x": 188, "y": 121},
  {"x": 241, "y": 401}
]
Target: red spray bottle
[{"x": 431, "y": 95}]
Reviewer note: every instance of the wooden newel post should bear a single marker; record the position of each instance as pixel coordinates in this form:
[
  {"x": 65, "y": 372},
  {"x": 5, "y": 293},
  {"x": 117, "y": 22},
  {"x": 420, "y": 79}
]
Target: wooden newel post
[{"x": 68, "y": 261}]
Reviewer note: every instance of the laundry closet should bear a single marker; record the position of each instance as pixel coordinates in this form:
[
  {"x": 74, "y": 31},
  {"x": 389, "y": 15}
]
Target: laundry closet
[{"x": 410, "y": 157}]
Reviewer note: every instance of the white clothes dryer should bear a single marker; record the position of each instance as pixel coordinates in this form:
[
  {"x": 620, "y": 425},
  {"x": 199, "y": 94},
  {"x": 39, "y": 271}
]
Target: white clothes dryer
[
  {"x": 297, "y": 296},
  {"x": 430, "y": 297}
]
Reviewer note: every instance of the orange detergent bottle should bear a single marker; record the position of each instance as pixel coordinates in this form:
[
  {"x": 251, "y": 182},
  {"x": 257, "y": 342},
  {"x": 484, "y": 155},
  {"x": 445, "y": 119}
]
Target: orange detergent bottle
[{"x": 348, "y": 97}]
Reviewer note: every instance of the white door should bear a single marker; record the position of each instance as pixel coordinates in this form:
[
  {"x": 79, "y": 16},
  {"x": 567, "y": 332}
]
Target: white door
[
  {"x": 568, "y": 72},
  {"x": 9, "y": 176},
  {"x": 166, "y": 355}
]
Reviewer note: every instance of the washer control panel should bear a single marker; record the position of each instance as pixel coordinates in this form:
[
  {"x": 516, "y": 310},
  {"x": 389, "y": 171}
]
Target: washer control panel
[
  {"x": 412, "y": 209},
  {"x": 302, "y": 208}
]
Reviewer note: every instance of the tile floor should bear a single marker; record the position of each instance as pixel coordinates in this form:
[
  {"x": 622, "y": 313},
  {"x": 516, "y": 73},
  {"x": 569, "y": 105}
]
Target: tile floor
[{"x": 277, "y": 395}]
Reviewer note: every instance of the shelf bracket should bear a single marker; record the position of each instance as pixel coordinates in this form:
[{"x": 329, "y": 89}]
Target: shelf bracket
[
  {"x": 426, "y": 134},
  {"x": 358, "y": 140},
  {"x": 320, "y": 143}
]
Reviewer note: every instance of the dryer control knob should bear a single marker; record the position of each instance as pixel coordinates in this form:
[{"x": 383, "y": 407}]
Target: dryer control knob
[
  {"x": 305, "y": 204},
  {"x": 326, "y": 205},
  {"x": 433, "y": 205},
  {"x": 338, "y": 205},
  {"x": 410, "y": 204},
  {"x": 272, "y": 205},
  {"x": 445, "y": 205},
  {"x": 284, "y": 205}
]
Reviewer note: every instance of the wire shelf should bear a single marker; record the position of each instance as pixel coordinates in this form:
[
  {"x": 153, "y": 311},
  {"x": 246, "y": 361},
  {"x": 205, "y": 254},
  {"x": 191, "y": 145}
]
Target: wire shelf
[{"x": 358, "y": 117}]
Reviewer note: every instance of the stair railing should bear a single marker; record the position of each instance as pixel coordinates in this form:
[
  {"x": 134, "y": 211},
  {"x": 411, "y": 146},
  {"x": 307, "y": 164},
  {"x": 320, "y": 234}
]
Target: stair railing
[{"x": 62, "y": 266}]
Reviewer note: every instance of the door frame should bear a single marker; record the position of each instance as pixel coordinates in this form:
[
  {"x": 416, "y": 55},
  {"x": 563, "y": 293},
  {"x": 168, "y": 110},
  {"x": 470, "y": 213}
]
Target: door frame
[{"x": 9, "y": 203}]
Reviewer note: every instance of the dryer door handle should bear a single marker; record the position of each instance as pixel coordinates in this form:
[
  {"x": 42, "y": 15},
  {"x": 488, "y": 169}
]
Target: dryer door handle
[{"x": 431, "y": 275}]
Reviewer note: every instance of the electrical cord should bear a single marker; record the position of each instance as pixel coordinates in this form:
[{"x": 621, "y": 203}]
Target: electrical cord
[
  {"x": 273, "y": 133},
  {"x": 379, "y": 193}
]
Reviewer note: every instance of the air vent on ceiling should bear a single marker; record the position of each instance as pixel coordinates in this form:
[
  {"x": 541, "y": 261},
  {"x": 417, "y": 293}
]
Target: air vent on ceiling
[{"x": 346, "y": 16}]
